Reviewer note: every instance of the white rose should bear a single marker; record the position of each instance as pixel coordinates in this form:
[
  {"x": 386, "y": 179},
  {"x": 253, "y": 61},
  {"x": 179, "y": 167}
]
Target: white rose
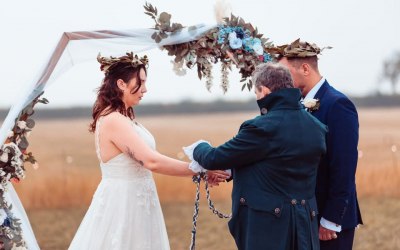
[
  {"x": 258, "y": 49},
  {"x": 232, "y": 36},
  {"x": 3, "y": 216},
  {"x": 235, "y": 43},
  {"x": 21, "y": 124},
  {"x": 4, "y": 157},
  {"x": 310, "y": 103}
]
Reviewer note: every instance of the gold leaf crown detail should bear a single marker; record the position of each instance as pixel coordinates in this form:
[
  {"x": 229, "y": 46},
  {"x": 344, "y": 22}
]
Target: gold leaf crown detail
[
  {"x": 299, "y": 49},
  {"x": 107, "y": 63}
]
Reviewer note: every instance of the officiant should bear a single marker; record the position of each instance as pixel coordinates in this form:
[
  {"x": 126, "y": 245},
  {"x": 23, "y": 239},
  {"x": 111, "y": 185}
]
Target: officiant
[{"x": 274, "y": 160}]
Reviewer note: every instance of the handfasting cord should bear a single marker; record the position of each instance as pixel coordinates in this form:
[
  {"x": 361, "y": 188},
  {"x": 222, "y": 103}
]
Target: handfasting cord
[
  {"x": 197, "y": 179},
  {"x": 211, "y": 204}
]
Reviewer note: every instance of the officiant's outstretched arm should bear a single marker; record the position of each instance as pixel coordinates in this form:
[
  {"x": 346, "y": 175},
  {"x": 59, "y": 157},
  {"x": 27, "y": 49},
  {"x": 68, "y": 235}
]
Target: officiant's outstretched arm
[{"x": 274, "y": 158}]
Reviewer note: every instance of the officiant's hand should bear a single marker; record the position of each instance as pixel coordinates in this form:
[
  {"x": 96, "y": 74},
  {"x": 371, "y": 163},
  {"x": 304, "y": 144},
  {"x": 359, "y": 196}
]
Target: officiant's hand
[
  {"x": 217, "y": 176},
  {"x": 326, "y": 234}
]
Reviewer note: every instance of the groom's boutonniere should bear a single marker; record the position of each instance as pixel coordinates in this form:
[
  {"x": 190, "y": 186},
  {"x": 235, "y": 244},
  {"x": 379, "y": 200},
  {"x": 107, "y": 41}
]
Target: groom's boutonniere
[{"x": 311, "y": 104}]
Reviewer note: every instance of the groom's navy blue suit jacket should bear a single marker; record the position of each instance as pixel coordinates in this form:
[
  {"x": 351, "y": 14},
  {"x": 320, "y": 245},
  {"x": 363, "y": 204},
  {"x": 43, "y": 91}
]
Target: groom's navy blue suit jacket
[
  {"x": 336, "y": 189},
  {"x": 274, "y": 158}
]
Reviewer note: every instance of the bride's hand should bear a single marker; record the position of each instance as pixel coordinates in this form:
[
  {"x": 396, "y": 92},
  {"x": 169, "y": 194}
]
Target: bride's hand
[{"x": 217, "y": 176}]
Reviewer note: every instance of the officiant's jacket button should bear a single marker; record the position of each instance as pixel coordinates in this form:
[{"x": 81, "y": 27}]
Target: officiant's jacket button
[
  {"x": 242, "y": 200},
  {"x": 277, "y": 210}
]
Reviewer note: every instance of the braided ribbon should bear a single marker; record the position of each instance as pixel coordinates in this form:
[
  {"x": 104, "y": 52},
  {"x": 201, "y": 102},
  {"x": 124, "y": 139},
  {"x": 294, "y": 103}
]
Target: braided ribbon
[{"x": 197, "y": 180}]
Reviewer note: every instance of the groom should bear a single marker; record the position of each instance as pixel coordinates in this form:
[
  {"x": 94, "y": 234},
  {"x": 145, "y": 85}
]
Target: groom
[
  {"x": 274, "y": 158},
  {"x": 336, "y": 194}
]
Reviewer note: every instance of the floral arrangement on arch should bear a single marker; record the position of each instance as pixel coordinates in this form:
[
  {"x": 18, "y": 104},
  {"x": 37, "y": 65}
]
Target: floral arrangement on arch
[
  {"x": 13, "y": 155},
  {"x": 233, "y": 41}
]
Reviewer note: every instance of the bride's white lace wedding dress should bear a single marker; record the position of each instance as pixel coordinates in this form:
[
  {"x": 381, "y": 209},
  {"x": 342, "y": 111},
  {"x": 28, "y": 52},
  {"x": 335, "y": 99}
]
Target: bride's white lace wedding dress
[{"x": 125, "y": 213}]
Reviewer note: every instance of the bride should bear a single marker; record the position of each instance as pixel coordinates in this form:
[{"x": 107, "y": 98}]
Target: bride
[{"x": 125, "y": 212}]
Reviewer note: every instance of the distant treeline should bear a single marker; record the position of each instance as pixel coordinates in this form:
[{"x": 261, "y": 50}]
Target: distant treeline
[{"x": 188, "y": 107}]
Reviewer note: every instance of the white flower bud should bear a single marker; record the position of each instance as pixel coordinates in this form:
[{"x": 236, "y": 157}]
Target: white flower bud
[
  {"x": 15, "y": 247},
  {"x": 4, "y": 157},
  {"x": 310, "y": 103},
  {"x": 21, "y": 124}
]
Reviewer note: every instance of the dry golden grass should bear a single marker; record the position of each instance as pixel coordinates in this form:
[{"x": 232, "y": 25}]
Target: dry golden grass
[
  {"x": 54, "y": 228},
  {"x": 69, "y": 174}
]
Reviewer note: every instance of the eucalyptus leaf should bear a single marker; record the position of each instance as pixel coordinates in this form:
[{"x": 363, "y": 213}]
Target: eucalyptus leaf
[
  {"x": 199, "y": 71},
  {"x": 29, "y": 110},
  {"x": 249, "y": 86},
  {"x": 184, "y": 52},
  {"x": 30, "y": 123},
  {"x": 164, "y": 35},
  {"x": 23, "y": 143}
]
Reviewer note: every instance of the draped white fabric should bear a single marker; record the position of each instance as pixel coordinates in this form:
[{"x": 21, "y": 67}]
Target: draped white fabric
[
  {"x": 74, "y": 48},
  {"x": 78, "y": 47}
]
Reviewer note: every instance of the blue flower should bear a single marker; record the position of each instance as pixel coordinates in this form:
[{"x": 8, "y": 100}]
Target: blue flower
[
  {"x": 248, "y": 44},
  {"x": 258, "y": 48},
  {"x": 256, "y": 41},
  {"x": 232, "y": 36},
  {"x": 7, "y": 222},
  {"x": 267, "y": 57},
  {"x": 239, "y": 32},
  {"x": 235, "y": 43}
]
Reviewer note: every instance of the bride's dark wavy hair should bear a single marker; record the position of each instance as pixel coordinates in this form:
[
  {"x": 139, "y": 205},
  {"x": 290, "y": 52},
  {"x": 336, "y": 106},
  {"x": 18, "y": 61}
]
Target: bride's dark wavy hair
[{"x": 109, "y": 96}]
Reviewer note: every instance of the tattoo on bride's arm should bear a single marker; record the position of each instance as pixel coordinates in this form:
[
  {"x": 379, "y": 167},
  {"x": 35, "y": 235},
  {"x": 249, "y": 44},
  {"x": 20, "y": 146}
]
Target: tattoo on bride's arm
[{"x": 132, "y": 156}]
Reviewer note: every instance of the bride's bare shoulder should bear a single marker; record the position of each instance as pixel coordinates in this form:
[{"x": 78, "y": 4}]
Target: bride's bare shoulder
[{"x": 115, "y": 118}]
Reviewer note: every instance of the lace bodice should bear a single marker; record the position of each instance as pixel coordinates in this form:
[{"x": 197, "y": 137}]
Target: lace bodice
[{"x": 122, "y": 166}]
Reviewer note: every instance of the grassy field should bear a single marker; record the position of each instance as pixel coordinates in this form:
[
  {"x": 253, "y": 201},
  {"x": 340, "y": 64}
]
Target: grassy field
[
  {"x": 54, "y": 228},
  {"x": 58, "y": 193}
]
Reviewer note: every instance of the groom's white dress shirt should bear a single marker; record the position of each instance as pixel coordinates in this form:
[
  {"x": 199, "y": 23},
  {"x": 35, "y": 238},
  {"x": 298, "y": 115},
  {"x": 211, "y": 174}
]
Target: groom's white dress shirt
[{"x": 310, "y": 95}]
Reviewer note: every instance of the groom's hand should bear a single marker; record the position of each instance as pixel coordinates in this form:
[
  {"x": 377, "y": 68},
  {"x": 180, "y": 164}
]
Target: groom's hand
[
  {"x": 326, "y": 234},
  {"x": 216, "y": 176}
]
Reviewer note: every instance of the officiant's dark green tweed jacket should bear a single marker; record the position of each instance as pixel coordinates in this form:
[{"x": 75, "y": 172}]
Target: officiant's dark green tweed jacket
[{"x": 274, "y": 160}]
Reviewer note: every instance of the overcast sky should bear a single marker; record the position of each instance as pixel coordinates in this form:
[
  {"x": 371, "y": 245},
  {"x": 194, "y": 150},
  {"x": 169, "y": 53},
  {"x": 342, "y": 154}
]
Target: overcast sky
[{"x": 362, "y": 34}]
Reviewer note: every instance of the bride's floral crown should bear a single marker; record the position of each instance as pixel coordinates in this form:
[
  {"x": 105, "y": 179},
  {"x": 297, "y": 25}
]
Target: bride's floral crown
[
  {"x": 107, "y": 64},
  {"x": 299, "y": 49}
]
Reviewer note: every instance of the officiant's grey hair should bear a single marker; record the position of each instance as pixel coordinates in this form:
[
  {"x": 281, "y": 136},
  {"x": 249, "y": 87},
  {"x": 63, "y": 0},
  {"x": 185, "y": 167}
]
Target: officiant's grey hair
[{"x": 273, "y": 76}]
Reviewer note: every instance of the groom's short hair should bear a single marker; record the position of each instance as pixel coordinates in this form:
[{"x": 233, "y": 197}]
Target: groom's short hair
[{"x": 273, "y": 76}]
